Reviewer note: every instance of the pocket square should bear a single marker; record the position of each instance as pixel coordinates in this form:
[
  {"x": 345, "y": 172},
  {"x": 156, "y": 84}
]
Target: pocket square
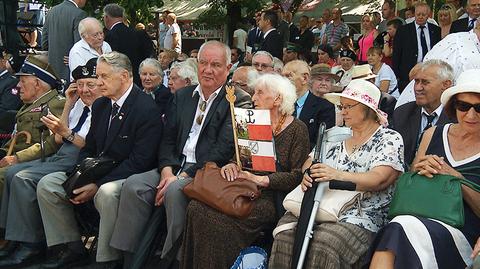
[
  {"x": 123, "y": 136},
  {"x": 311, "y": 121}
]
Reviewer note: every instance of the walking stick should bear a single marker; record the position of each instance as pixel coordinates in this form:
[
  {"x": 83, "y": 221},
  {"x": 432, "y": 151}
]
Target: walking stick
[
  {"x": 231, "y": 100},
  {"x": 14, "y": 140}
]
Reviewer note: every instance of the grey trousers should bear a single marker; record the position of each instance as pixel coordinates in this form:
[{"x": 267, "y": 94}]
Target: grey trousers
[
  {"x": 136, "y": 205},
  {"x": 176, "y": 206},
  {"x": 59, "y": 219},
  {"x": 19, "y": 213}
]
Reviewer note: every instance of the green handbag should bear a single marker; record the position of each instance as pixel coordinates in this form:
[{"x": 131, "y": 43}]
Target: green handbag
[{"x": 437, "y": 198}]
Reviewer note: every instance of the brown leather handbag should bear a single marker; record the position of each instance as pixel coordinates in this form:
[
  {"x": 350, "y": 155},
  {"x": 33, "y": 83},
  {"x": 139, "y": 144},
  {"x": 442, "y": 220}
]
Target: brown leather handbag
[{"x": 234, "y": 198}]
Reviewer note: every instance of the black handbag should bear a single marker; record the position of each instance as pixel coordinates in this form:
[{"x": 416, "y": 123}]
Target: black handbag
[{"x": 89, "y": 170}]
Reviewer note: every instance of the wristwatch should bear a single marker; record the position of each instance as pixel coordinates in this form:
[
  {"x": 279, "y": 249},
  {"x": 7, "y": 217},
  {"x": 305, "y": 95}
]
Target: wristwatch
[
  {"x": 181, "y": 177},
  {"x": 70, "y": 137}
]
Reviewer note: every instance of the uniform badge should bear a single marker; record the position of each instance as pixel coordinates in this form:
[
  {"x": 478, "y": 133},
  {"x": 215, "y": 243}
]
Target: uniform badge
[
  {"x": 85, "y": 71},
  {"x": 36, "y": 109},
  {"x": 15, "y": 91}
]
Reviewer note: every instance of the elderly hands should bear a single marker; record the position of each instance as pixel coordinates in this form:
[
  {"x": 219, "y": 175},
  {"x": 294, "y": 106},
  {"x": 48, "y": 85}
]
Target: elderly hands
[
  {"x": 430, "y": 165},
  {"x": 320, "y": 172},
  {"x": 231, "y": 172}
]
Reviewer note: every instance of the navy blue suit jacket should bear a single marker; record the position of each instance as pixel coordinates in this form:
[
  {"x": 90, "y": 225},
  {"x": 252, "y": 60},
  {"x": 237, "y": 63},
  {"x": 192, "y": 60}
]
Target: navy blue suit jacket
[{"x": 134, "y": 135}]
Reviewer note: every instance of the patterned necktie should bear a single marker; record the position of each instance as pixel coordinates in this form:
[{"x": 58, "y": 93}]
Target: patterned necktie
[
  {"x": 423, "y": 41},
  {"x": 471, "y": 23},
  {"x": 115, "y": 108},
  {"x": 82, "y": 119},
  {"x": 430, "y": 119}
]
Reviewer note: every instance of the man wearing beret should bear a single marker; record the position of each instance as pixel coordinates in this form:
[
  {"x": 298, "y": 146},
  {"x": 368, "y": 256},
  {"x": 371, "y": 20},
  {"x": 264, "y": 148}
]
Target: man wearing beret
[
  {"x": 37, "y": 91},
  {"x": 345, "y": 69},
  {"x": 19, "y": 214}
]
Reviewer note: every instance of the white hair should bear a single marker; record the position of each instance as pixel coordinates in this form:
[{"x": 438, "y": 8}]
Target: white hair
[
  {"x": 252, "y": 76},
  {"x": 86, "y": 23},
  {"x": 277, "y": 64},
  {"x": 282, "y": 86},
  {"x": 228, "y": 52},
  {"x": 185, "y": 71},
  {"x": 262, "y": 52},
  {"x": 444, "y": 72},
  {"x": 153, "y": 63}
]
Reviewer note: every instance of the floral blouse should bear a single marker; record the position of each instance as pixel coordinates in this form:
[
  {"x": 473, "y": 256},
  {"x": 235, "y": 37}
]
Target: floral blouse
[{"x": 384, "y": 148}]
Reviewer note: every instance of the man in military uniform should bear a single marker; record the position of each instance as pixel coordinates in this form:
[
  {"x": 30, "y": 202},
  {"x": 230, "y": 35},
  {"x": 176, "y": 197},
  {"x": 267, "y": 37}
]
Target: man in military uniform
[{"x": 37, "y": 91}]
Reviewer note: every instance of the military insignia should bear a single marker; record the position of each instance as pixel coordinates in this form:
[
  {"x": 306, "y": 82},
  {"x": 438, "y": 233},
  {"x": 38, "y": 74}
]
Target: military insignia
[
  {"x": 15, "y": 90},
  {"x": 253, "y": 146},
  {"x": 36, "y": 109},
  {"x": 85, "y": 71}
]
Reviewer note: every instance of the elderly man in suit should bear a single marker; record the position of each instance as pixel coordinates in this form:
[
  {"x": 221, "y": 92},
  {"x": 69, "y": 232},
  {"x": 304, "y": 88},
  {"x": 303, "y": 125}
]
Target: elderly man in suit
[
  {"x": 469, "y": 22},
  {"x": 126, "y": 126},
  {"x": 19, "y": 212},
  {"x": 412, "y": 42},
  {"x": 310, "y": 109},
  {"x": 124, "y": 39},
  {"x": 272, "y": 41},
  {"x": 412, "y": 119},
  {"x": 198, "y": 130},
  {"x": 60, "y": 32}
]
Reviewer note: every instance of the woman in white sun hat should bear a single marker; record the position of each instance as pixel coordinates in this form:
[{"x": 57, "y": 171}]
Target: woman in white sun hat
[
  {"x": 372, "y": 159},
  {"x": 414, "y": 242}
]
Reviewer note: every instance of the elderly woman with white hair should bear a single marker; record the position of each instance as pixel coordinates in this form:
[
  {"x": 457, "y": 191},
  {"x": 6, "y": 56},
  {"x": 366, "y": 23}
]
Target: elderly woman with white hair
[
  {"x": 213, "y": 239},
  {"x": 151, "y": 76},
  {"x": 372, "y": 159},
  {"x": 181, "y": 75}
]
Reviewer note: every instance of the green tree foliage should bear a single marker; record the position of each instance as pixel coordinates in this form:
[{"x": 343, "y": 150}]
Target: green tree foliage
[{"x": 136, "y": 10}]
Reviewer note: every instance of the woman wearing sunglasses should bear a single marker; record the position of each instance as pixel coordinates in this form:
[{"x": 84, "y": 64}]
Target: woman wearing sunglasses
[{"x": 415, "y": 242}]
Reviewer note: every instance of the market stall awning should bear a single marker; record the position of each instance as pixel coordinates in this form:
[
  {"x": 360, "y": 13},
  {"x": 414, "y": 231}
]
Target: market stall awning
[
  {"x": 185, "y": 10},
  {"x": 350, "y": 8}
]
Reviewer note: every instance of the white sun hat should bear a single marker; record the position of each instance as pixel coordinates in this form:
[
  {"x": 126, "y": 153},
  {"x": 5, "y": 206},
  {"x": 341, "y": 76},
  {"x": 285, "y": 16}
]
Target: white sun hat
[{"x": 467, "y": 82}]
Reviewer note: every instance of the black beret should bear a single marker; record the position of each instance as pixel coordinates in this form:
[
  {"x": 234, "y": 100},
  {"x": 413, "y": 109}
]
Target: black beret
[
  {"x": 349, "y": 54},
  {"x": 89, "y": 70}
]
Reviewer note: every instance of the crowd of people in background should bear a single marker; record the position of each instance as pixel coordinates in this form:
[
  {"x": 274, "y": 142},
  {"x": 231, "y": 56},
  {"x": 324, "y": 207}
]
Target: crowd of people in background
[{"x": 407, "y": 87}]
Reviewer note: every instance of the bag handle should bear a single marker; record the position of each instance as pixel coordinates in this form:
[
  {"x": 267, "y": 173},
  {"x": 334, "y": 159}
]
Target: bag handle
[{"x": 470, "y": 184}]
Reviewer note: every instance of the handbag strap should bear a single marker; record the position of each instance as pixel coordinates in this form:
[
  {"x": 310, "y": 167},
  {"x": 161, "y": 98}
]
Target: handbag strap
[{"x": 470, "y": 184}]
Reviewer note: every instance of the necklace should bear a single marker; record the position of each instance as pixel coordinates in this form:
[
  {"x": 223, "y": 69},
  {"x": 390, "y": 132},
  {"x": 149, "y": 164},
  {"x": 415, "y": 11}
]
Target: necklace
[
  {"x": 278, "y": 128},
  {"x": 357, "y": 146}
]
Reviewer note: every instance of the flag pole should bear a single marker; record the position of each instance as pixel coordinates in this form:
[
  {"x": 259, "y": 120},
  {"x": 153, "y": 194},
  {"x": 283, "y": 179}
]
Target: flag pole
[{"x": 231, "y": 100}]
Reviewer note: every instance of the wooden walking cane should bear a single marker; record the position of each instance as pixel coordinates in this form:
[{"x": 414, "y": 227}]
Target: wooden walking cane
[
  {"x": 14, "y": 140},
  {"x": 231, "y": 99}
]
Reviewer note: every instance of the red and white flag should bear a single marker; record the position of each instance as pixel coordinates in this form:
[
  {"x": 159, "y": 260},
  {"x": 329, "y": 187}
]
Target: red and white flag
[{"x": 255, "y": 139}]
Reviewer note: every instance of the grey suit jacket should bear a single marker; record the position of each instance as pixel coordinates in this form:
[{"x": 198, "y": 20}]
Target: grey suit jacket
[
  {"x": 60, "y": 32},
  {"x": 406, "y": 121}
]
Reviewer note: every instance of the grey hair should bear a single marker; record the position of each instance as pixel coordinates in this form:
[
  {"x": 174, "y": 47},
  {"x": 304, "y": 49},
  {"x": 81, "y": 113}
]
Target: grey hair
[
  {"x": 114, "y": 10},
  {"x": 444, "y": 72},
  {"x": 277, "y": 64},
  {"x": 153, "y": 63},
  {"x": 252, "y": 76},
  {"x": 185, "y": 71},
  {"x": 282, "y": 86},
  {"x": 117, "y": 61},
  {"x": 226, "y": 49},
  {"x": 266, "y": 53},
  {"x": 84, "y": 24}
]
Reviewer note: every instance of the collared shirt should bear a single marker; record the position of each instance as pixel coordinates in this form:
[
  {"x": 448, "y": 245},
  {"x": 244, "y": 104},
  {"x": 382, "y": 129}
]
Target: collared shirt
[
  {"x": 474, "y": 22},
  {"x": 81, "y": 52},
  {"x": 419, "y": 44},
  {"x": 424, "y": 121},
  {"x": 193, "y": 136},
  {"x": 300, "y": 103},
  {"x": 120, "y": 102},
  {"x": 168, "y": 40},
  {"x": 71, "y": 1},
  {"x": 41, "y": 96},
  {"x": 268, "y": 32},
  {"x": 74, "y": 116},
  {"x": 118, "y": 22}
]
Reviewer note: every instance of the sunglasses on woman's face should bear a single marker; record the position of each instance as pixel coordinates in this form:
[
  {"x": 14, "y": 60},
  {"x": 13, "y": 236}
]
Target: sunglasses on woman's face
[{"x": 464, "y": 106}]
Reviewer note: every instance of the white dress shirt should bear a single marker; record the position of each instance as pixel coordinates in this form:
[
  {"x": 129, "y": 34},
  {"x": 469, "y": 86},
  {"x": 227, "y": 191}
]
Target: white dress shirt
[
  {"x": 419, "y": 44},
  {"x": 81, "y": 52},
  {"x": 190, "y": 145},
  {"x": 74, "y": 116}
]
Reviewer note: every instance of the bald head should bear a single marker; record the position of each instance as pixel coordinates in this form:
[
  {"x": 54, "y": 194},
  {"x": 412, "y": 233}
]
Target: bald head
[
  {"x": 243, "y": 77},
  {"x": 299, "y": 74}
]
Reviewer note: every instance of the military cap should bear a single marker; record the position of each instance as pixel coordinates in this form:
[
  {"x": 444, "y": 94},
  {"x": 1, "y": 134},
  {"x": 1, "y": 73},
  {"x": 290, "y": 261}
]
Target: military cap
[
  {"x": 38, "y": 66},
  {"x": 89, "y": 70}
]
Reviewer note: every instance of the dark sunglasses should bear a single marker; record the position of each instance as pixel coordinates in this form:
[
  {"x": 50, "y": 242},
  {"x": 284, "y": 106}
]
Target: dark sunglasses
[{"x": 464, "y": 106}]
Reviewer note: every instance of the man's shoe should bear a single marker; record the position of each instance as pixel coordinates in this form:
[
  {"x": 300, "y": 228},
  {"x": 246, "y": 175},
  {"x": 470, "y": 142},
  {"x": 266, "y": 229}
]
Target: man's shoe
[
  {"x": 8, "y": 249},
  {"x": 66, "y": 258},
  {"x": 22, "y": 256},
  {"x": 108, "y": 265}
]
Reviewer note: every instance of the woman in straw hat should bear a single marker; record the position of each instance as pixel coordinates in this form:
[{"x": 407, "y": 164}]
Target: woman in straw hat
[
  {"x": 415, "y": 242},
  {"x": 372, "y": 159}
]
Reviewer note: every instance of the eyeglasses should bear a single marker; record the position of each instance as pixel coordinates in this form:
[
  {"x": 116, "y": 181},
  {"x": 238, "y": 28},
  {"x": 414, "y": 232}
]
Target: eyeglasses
[
  {"x": 203, "y": 107},
  {"x": 446, "y": 7},
  {"x": 465, "y": 107},
  {"x": 346, "y": 107},
  {"x": 238, "y": 84},
  {"x": 262, "y": 66}
]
